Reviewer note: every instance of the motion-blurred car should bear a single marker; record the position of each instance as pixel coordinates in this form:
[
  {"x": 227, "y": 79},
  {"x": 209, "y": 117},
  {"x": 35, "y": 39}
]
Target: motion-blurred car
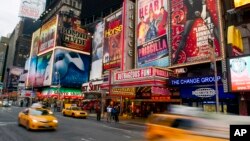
[
  {"x": 74, "y": 112},
  {"x": 37, "y": 118},
  {"x": 1, "y": 103},
  {"x": 6, "y": 103},
  {"x": 172, "y": 127}
]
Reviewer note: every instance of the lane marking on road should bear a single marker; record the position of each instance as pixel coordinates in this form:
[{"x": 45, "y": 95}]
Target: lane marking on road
[
  {"x": 91, "y": 139},
  {"x": 126, "y": 136},
  {"x": 84, "y": 139},
  {"x": 117, "y": 128}
]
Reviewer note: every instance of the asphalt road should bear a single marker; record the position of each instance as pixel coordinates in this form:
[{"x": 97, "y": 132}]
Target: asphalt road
[{"x": 70, "y": 129}]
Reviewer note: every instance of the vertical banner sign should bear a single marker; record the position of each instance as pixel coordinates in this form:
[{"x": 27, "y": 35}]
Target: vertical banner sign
[
  {"x": 128, "y": 33},
  {"x": 32, "y": 72},
  {"x": 112, "y": 41},
  {"x": 31, "y": 8},
  {"x": 71, "y": 35},
  {"x": 35, "y": 43},
  {"x": 97, "y": 52},
  {"x": 43, "y": 71},
  {"x": 152, "y": 46},
  {"x": 193, "y": 22},
  {"x": 48, "y": 36}
]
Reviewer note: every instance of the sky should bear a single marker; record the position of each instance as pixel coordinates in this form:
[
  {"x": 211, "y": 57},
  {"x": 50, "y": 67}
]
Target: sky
[{"x": 8, "y": 16}]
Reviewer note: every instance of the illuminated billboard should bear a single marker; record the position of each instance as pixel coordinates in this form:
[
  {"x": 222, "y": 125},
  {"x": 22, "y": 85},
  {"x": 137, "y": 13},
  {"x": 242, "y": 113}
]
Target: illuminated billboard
[
  {"x": 239, "y": 73},
  {"x": 32, "y": 72},
  {"x": 152, "y": 23},
  {"x": 35, "y": 43},
  {"x": 70, "y": 68},
  {"x": 48, "y": 35},
  {"x": 239, "y": 3},
  {"x": 112, "y": 41},
  {"x": 32, "y": 8},
  {"x": 97, "y": 52},
  {"x": 43, "y": 70},
  {"x": 193, "y": 23},
  {"x": 71, "y": 34}
]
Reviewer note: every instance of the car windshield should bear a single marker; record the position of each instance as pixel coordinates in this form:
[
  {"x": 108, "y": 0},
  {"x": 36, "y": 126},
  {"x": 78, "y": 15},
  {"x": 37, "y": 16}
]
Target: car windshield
[
  {"x": 38, "y": 112},
  {"x": 76, "y": 108}
]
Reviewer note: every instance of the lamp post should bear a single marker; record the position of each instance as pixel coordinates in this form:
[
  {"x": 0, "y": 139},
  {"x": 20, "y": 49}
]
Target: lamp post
[{"x": 213, "y": 60}]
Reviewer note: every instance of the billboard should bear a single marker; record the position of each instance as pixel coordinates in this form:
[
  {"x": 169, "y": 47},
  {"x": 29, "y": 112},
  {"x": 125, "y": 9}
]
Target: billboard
[
  {"x": 152, "y": 23},
  {"x": 97, "y": 52},
  {"x": 32, "y": 72},
  {"x": 31, "y": 8},
  {"x": 112, "y": 41},
  {"x": 35, "y": 43},
  {"x": 193, "y": 23},
  {"x": 48, "y": 35},
  {"x": 240, "y": 73},
  {"x": 43, "y": 70},
  {"x": 70, "y": 68},
  {"x": 71, "y": 35}
]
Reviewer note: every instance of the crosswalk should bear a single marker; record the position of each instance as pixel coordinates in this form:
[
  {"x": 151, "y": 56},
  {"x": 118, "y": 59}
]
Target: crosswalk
[{"x": 7, "y": 123}]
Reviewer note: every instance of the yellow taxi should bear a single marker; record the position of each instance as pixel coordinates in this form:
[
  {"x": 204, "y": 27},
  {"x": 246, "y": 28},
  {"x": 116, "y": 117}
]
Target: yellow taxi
[
  {"x": 172, "y": 127},
  {"x": 37, "y": 118},
  {"x": 74, "y": 111}
]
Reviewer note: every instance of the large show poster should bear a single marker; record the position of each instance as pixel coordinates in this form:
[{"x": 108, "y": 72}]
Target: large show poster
[
  {"x": 152, "y": 23},
  {"x": 43, "y": 70},
  {"x": 71, "y": 34},
  {"x": 70, "y": 68},
  {"x": 35, "y": 43},
  {"x": 97, "y": 52},
  {"x": 240, "y": 73},
  {"x": 48, "y": 35},
  {"x": 31, "y": 8},
  {"x": 32, "y": 72},
  {"x": 112, "y": 41},
  {"x": 193, "y": 23}
]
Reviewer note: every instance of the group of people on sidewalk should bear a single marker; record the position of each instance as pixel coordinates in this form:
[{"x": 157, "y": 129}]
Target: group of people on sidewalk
[{"x": 112, "y": 113}]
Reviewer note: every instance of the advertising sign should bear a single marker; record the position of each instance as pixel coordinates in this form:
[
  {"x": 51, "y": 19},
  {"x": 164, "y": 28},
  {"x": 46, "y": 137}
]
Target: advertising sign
[
  {"x": 71, "y": 35},
  {"x": 48, "y": 35},
  {"x": 240, "y": 73},
  {"x": 123, "y": 91},
  {"x": 154, "y": 53},
  {"x": 43, "y": 70},
  {"x": 35, "y": 43},
  {"x": 193, "y": 23},
  {"x": 97, "y": 52},
  {"x": 112, "y": 41},
  {"x": 31, "y": 8},
  {"x": 32, "y": 72},
  {"x": 70, "y": 69},
  {"x": 152, "y": 47},
  {"x": 234, "y": 39}
]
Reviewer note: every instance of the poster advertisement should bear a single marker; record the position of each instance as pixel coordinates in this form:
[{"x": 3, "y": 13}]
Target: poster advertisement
[
  {"x": 193, "y": 23},
  {"x": 240, "y": 73},
  {"x": 70, "y": 69},
  {"x": 31, "y": 8},
  {"x": 152, "y": 46},
  {"x": 97, "y": 52},
  {"x": 35, "y": 43},
  {"x": 48, "y": 35},
  {"x": 154, "y": 53},
  {"x": 152, "y": 20},
  {"x": 43, "y": 70},
  {"x": 112, "y": 41},
  {"x": 71, "y": 35},
  {"x": 32, "y": 72}
]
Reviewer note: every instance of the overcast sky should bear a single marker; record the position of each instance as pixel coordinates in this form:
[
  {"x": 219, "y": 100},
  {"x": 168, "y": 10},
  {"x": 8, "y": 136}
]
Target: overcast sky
[{"x": 8, "y": 16}]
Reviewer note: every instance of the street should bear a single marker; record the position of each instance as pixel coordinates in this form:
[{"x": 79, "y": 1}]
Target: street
[{"x": 70, "y": 129}]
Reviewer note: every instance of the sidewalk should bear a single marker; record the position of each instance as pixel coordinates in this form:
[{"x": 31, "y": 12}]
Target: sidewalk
[{"x": 124, "y": 120}]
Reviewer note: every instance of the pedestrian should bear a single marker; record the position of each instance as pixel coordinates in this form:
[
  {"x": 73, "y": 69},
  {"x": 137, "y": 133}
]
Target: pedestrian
[
  {"x": 116, "y": 113},
  {"x": 98, "y": 112},
  {"x": 109, "y": 109}
]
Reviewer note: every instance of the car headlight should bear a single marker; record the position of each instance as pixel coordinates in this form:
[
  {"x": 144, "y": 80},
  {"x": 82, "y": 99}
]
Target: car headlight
[
  {"x": 34, "y": 120},
  {"x": 55, "y": 121},
  {"x": 50, "y": 112}
]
